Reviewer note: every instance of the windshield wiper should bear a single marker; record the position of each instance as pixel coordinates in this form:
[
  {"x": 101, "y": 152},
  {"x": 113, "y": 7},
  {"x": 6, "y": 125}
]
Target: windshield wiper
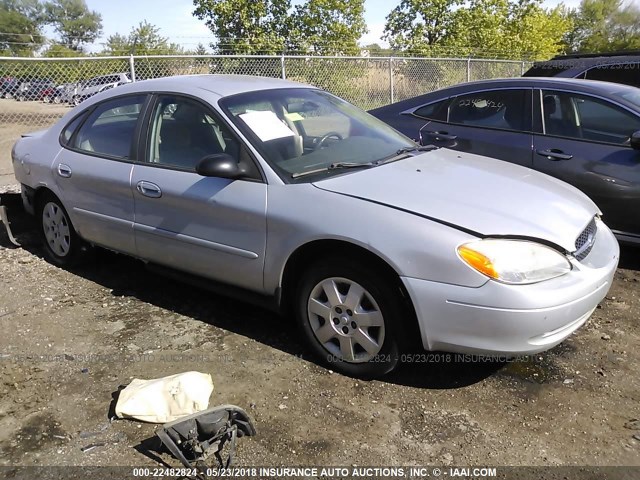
[
  {"x": 398, "y": 154},
  {"x": 335, "y": 166}
]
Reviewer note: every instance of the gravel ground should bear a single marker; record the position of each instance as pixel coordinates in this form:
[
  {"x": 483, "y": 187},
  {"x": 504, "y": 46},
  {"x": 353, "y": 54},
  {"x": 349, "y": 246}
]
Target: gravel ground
[{"x": 71, "y": 338}]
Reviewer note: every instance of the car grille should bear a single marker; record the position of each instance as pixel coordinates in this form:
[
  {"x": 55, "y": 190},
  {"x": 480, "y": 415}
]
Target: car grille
[{"x": 585, "y": 241}]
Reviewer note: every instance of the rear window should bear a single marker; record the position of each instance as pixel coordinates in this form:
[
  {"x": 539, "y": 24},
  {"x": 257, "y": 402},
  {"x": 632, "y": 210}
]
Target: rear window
[
  {"x": 546, "y": 70},
  {"x": 625, "y": 73}
]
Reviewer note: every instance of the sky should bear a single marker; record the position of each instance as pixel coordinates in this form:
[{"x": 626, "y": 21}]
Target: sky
[{"x": 175, "y": 19}]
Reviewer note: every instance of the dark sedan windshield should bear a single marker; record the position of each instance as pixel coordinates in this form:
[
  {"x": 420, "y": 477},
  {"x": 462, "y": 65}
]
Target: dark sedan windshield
[{"x": 300, "y": 131}]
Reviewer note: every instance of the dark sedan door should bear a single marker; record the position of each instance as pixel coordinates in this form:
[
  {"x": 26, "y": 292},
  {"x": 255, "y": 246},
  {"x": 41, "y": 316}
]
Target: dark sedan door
[
  {"x": 494, "y": 123},
  {"x": 584, "y": 140}
]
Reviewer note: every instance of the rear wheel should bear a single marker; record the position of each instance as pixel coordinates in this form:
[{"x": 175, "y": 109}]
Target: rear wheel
[
  {"x": 63, "y": 246},
  {"x": 350, "y": 314}
]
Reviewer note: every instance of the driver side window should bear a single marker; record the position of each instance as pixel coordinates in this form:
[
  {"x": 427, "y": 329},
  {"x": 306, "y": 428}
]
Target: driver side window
[{"x": 184, "y": 131}]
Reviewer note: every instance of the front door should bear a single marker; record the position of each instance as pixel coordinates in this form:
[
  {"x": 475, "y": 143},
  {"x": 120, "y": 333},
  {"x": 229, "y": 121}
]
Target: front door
[
  {"x": 212, "y": 227},
  {"x": 585, "y": 141}
]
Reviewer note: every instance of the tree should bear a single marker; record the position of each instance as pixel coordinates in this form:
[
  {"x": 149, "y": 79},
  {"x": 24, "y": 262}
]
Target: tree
[
  {"x": 416, "y": 25},
  {"x": 57, "y": 50},
  {"x": 145, "y": 39},
  {"x": 495, "y": 28},
  {"x": 328, "y": 27},
  {"x": 509, "y": 29},
  {"x": 246, "y": 26},
  {"x": 604, "y": 25},
  {"x": 20, "y": 27},
  {"x": 74, "y": 22}
]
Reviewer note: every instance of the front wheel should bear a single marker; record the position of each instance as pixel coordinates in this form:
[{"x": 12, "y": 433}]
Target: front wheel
[
  {"x": 350, "y": 315},
  {"x": 63, "y": 246}
]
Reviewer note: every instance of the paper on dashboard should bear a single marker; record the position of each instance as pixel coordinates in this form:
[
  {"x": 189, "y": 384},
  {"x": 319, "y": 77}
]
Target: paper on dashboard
[{"x": 266, "y": 125}]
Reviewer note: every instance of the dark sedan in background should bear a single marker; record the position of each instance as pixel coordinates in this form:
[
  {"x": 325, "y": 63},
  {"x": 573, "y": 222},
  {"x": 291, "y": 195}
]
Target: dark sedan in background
[{"x": 586, "y": 133}]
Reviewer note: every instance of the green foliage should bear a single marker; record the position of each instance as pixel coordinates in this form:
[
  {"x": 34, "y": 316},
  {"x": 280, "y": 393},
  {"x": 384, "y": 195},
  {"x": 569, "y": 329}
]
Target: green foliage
[
  {"x": 418, "y": 26},
  {"x": 57, "y": 50},
  {"x": 327, "y": 27},
  {"x": 321, "y": 27},
  {"x": 20, "y": 24},
  {"x": 496, "y": 28},
  {"x": 605, "y": 25},
  {"x": 246, "y": 26},
  {"x": 74, "y": 22},
  {"x": 145, "y": 39}
]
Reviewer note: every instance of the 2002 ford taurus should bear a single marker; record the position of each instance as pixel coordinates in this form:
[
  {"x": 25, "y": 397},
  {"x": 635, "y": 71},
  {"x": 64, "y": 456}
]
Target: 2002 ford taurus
[{"x": 285, "y": 194}]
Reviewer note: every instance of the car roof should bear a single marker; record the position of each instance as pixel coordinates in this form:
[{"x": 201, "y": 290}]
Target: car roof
[
  {"x": 221, "y": 85},
  {"x": 585, "y": 86}
]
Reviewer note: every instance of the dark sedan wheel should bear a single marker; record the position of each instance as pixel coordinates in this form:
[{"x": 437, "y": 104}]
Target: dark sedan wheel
[
  {"x": 348, "y": 314},
  {"x": 63, "y": 246}
]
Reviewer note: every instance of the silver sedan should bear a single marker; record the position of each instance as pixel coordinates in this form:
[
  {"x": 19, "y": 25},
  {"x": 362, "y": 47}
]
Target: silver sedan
[{"x": 285, "y": 195}]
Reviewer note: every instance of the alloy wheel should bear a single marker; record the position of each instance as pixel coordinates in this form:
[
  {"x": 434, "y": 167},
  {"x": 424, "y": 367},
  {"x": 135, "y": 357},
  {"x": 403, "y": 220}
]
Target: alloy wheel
[
  {"x": 346, "y": 319},
  {"x": 56, "y": 227}
]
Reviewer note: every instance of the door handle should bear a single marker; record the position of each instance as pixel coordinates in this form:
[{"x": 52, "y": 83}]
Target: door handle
[
  {"x": 149, "y": 189},
  {"x": 554, "y": 154},
  {"x": 441, "y": 136},
  {"x": 64, "y": 170}
]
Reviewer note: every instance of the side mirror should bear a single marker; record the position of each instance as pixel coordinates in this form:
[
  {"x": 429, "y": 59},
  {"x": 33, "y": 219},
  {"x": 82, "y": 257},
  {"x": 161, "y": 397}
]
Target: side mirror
[
  {"x": 635, "y": 140},
  {"x": 220, "y": 165}
]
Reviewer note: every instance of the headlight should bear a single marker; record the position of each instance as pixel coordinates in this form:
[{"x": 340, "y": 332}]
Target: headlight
[{"x": 514, "y": 261}]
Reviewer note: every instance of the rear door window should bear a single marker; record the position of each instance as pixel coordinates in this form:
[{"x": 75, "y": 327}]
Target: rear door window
[
  {"x": 501, "y": 109},
  {"x": 109, "y": 129}
]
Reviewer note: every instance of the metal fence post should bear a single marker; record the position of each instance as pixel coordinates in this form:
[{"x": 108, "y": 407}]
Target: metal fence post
[
  {"x": 469, "y": 69},
  {"x": 392, "y": 93},
  {"x": 522, "y": 68},
  {"x": 132, "y": 68},
  {"x": 284, "y": 71}
]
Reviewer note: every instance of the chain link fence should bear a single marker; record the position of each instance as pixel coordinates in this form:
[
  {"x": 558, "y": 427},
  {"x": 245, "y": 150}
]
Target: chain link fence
[{"x": 35, "y": 92}]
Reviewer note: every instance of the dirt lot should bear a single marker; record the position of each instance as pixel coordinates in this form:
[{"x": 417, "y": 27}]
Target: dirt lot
[{"x": 70, "y": 338}]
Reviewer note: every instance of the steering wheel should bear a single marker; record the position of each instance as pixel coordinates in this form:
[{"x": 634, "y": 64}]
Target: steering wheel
[{"x": 326, "y": 137}]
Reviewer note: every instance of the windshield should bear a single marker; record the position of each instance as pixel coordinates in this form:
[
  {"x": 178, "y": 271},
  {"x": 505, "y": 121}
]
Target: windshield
[{"x": 303, "y": 132}]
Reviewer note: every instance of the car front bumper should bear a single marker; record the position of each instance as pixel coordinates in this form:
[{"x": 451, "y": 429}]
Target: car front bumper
[{"x": 501, "y": 319}]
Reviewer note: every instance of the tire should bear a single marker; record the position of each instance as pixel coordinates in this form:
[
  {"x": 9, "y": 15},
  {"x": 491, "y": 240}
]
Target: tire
[
  {"x": 334, "y": 325},
  {"x": 62, "y": 245},
  {"x": 56, "y": 99},
  {"x": 76, "y": 100}
]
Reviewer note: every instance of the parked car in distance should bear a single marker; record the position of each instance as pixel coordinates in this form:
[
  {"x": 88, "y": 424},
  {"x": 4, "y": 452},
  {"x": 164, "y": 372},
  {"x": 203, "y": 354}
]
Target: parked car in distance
[
  {"x": 33, "y": 89},
  {"x": 61, "y": 94},
  {"x": 283, "y": 194},
  {"x": 583, "y": 132},
  {"x": 98, "y": 84},
  {"x": 617, "y": 67},
  {"x": 9, "y": 86}
]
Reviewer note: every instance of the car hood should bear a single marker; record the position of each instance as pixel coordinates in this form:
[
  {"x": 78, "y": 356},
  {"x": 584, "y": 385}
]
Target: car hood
[{"x": 484, "y": 196}]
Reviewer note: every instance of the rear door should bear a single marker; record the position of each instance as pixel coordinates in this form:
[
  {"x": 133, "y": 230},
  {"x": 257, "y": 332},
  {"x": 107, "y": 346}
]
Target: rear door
[
  {"x": 584, "y": 140},
  {"x": 93, "y": 171},
  {"x": 495, "y": 123}
]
